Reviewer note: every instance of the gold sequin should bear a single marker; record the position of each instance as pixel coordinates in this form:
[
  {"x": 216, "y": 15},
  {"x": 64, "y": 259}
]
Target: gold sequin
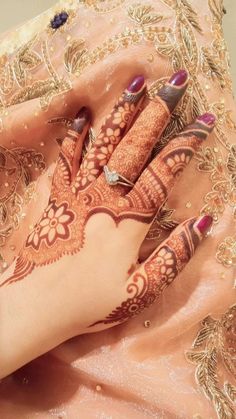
[
  {"x": 150, "y": 58},
  {"x": 98, "y": 387},
  {"x": 147, "y": 323}
]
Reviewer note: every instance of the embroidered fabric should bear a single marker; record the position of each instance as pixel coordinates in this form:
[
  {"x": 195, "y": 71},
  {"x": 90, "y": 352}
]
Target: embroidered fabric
[{"x": 139, "y": 369}]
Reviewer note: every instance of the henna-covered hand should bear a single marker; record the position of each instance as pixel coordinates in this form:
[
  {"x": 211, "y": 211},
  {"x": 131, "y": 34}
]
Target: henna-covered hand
[{"x": 75, "y": 272}]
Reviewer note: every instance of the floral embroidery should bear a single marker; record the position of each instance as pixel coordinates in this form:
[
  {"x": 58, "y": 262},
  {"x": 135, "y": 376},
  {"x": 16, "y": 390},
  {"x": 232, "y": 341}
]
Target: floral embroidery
[
  {"x": 215, "y": 348},
  {"x": 223, "y": 180},
  {"x": 226, "y": 252},
  {"x": 16, "y": 168},
  {"x": 53, "y": 225}
]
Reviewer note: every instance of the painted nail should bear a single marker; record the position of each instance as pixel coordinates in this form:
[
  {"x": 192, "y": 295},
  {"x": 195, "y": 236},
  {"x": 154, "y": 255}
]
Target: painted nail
[
  {"x": 179, "y": 78},
  {"x": 81, "y": 119},
  {"x": 136, "y": 84},
  {"x": 204, "y": 223},
  {"x": 207, "y": 118}
]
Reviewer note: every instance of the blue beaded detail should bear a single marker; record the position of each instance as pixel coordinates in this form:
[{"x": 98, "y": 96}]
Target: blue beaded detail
[{"x": 59, "y": 20}]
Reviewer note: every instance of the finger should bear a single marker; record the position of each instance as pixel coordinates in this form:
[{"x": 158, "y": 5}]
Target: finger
[
  {"x": 113, "y": 129},
  {"x": 147, "y": 283},
  {"x": 80, "y": 126},
  {"x": 71, "y": 149},
  {"x": 152, "y": 188},
  {"x": 132, "y": 153}
]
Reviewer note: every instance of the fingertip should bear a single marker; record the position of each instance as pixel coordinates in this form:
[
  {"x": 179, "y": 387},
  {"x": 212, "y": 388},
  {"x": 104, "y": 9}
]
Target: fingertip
[
  {"x": 82, "y": 118},
  {"x": 174, "y": 89},
  {"x": 203, "y": 224},
  {"x": 208, "y": 119},
  {"x": 179, "y": 78},
  {"x": 136, "y": 84}
]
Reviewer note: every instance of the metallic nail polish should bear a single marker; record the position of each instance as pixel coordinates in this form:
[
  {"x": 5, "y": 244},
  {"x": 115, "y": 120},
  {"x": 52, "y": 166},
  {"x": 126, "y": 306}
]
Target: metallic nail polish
[
  {"x": 207, "y": 118},
  {"x": 179, "y": 78},
  {"x": 136, "y": 84},
  {"x": 81, "y": 119},
  {"x": 204, "y": 223}
]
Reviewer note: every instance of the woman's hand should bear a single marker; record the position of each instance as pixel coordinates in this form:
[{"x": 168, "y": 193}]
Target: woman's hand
[{"x": 78, "y": 270}]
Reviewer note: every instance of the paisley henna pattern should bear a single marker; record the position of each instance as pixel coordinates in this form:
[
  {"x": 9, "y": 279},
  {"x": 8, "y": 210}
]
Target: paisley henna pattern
[{"x": 149, "y": 281}]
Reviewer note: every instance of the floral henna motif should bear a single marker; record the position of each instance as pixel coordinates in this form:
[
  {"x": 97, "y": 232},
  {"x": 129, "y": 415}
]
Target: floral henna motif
[
  {"x": 113, "y": 129},
  {"x": 151, "y": 189},
  {"x": 133, "y": 152},
  {"x": 60, "y": 231},
  {"x": 159, "y": 271},
  {"x": 54, "y": 225}
]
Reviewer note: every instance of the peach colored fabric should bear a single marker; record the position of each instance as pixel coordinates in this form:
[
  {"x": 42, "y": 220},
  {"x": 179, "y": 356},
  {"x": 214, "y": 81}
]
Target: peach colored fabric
[{"x": 142, "y": 372}]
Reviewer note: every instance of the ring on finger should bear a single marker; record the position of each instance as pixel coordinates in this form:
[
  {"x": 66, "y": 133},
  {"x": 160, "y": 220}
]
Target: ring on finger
[{"x": 114, "y": 178}]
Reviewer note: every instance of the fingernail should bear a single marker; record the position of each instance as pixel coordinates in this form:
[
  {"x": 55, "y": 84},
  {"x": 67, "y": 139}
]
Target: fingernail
[
  {"x": 179, "y": 78},
  {"x": 136, "y": 84},
  {"x": 204, "y": 223},
  {"x": 81, "y": 119},
  {"x": 207, "y": 118}
]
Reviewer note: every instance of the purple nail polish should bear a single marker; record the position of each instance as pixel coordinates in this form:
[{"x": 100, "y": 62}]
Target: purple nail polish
[
  {"x": 179, "y": 78},
  {"x": 204, "y": 223},
  {"x": 207, "y": 118},
  {"x": 136, "y": 84},
  {"x": 81, "y": 119}
]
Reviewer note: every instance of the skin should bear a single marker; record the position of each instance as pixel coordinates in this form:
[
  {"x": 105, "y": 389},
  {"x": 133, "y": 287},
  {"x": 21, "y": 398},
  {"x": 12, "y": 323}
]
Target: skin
[{"x": 48, "y": 292}]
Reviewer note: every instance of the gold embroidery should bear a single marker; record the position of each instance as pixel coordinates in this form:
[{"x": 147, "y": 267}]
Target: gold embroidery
[
  {"x": 144, "y": 15},
  {"x": 217, "y": 9},
  {"x": 45, "y": 89},
  {"x": 121, "y": 40},
  {"x": 103, "y": 6},
  {"x": 226, "y": 252},
  {"x": 73, "y": 54},
  {"x": 212, "y": 66},
  {"x": 215, "y": 348},
  {"x": 162, "y": 221},
  {"x": 219, "y": 48},
  {"x": 191, "y": 15},
  {"x": 24, "y": 60},
  {"x": 223, "y": 179},
  {"x": 16, "y": 166}
]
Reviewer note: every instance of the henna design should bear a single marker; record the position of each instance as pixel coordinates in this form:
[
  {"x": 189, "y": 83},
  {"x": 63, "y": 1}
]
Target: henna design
[
  {"x": 160, "y": 176},
  {"x": 68, "y": 159},
  {"x": 60, "y": 230},
  {"x": 67, "y": 233},
  {"x": 133, "y": 152},
  {"x": 112, "y": 131},
  {"x": 54, "y": 225},
  {"x": 159, "y": 271}
]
